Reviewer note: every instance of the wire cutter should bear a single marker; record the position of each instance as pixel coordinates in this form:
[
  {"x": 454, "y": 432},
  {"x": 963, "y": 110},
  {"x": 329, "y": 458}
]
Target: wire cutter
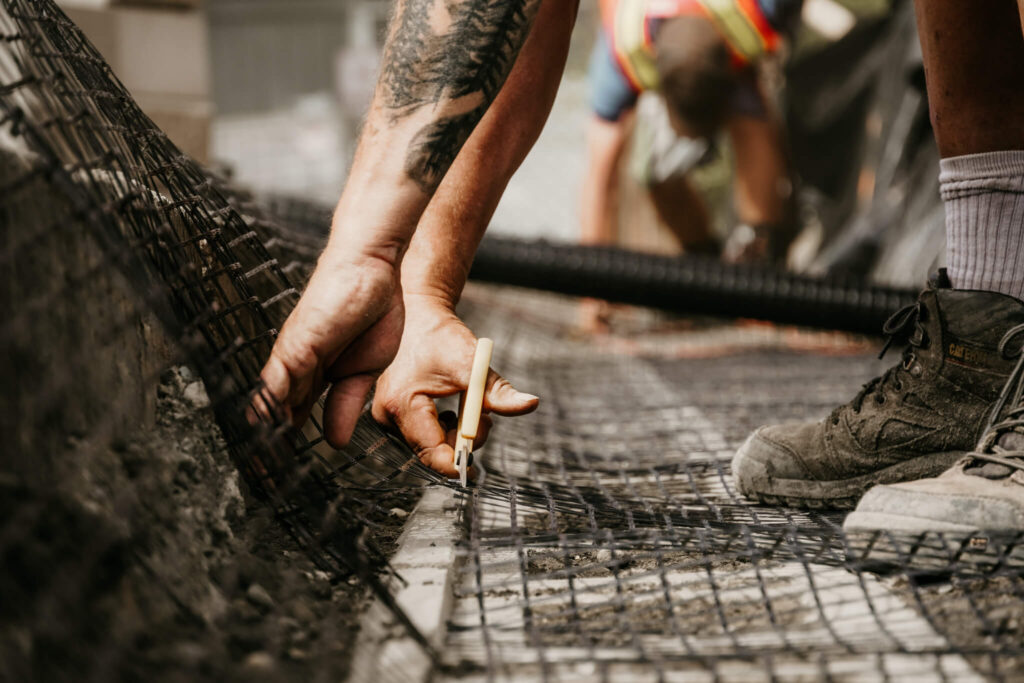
[{"x": 472, "y": 406}]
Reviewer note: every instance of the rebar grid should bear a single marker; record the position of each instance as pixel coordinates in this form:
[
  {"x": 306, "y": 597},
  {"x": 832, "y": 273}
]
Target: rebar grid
[{"x": 607, "y": 540}]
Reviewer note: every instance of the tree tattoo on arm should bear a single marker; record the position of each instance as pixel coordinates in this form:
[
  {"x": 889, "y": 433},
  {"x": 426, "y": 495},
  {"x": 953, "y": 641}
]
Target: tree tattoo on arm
[{"x": 453, "y": 55}]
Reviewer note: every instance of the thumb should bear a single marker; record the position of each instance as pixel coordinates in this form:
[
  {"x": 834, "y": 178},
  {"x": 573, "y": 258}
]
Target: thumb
[{"x": 502, "y": 398}]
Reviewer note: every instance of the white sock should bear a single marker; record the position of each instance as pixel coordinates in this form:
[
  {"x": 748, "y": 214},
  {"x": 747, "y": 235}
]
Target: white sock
[{"x": 984, "y": 198}]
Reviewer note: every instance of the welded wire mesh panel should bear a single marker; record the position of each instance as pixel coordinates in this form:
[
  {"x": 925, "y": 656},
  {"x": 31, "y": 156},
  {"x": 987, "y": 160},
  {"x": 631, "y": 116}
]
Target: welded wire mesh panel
[{"x": 607, "y": 540}]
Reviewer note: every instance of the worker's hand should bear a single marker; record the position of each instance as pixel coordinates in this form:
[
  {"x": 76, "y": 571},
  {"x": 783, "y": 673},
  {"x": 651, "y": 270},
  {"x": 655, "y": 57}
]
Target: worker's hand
[
  {"x": 435, "y": 360},
  {"x": 344, "y": 331}
]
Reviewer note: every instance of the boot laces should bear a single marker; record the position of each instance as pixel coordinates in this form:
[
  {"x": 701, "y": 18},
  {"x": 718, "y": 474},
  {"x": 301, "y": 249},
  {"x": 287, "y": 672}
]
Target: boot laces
[
  {"x": 992, "y": 459},
  {"x": 906, "y": 325}
]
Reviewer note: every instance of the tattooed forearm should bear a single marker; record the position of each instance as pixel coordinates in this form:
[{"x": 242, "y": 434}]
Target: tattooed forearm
[
  {"x": 434, "y": 148},
  {"x": 453, "y": 55}
]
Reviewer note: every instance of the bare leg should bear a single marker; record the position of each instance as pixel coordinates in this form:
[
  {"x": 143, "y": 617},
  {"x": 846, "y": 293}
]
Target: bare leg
[
  {"x": 606, "y": 143},
  {"x": 974, "y": 65},
  {"x": 762, "y": 186},
  {"x": 599, "y": 205},
  {"x": 762, "y": 190}
]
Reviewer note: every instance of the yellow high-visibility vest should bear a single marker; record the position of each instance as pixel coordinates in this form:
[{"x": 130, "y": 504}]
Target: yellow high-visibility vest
[{"x": 741, "y": 23}]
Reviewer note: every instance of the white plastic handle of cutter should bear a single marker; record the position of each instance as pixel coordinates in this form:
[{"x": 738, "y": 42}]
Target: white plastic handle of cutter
[{"x": 473, "y": 406}]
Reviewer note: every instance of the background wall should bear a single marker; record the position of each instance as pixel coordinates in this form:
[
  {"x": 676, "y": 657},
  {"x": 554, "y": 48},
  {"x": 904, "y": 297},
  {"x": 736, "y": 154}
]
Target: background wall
[{"x": 265, "y": 53}]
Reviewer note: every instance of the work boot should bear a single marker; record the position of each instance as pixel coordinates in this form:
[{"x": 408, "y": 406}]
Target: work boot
[
  {"x": 915, "y": 421},
  {"x": 983, "y": 492}
]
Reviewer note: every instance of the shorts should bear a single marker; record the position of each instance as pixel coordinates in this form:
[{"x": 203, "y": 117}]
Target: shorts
[{"x": 611, "y": 93}]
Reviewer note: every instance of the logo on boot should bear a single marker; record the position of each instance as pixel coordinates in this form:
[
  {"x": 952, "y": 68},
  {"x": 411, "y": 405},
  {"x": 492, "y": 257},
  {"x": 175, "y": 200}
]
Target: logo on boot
[
  {"x": 971, "y": 356},
  {"x": 966, "y": 354}
]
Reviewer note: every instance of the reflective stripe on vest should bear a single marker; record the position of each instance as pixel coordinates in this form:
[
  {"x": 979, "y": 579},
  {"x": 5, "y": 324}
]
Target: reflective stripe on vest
[
  {"x": 741, "y": 24},
  {"x": 633, "y": 44}
]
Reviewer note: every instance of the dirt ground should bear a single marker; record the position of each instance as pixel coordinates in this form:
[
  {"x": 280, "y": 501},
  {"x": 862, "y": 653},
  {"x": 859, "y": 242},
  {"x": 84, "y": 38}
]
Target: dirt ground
[
  {"x": 976, "y": 615},
  {"x": 147, "y": 561}
]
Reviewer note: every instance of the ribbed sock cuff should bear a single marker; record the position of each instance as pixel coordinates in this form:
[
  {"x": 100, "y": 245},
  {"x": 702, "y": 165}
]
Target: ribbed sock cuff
[
  {"x": 973, "y": 173},
  {"x": 984, "y": 200}
]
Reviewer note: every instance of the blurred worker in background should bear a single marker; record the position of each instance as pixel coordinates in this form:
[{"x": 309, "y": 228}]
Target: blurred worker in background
[
  {"x": 701, "y": 56},
  {"x": 942, "y": 431}
]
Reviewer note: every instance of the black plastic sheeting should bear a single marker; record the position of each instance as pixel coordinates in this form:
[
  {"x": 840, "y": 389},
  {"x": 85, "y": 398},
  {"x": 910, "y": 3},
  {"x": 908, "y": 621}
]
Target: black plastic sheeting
[
  {"x": 679, "y": 284},
  {"x": 687, "y": 284}
]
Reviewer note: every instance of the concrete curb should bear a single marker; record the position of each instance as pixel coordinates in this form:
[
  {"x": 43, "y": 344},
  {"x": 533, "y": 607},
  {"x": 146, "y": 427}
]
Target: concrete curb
[{"x": 426, "y": 560}]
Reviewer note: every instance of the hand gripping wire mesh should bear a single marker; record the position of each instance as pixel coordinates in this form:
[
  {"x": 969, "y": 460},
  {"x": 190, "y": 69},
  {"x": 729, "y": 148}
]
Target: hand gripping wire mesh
[{"x": 603, "y": 539}]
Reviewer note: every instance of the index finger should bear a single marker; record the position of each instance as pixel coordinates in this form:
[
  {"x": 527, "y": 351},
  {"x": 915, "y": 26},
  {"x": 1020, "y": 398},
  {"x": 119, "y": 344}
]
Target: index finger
[{"x": 419, "y": 425}]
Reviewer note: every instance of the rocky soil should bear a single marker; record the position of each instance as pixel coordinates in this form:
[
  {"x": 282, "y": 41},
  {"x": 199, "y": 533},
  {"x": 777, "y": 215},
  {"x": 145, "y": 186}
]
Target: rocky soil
[{"x": 145, "y": 560}]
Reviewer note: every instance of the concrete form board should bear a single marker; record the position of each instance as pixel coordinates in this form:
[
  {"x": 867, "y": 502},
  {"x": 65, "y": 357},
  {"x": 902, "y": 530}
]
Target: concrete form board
[
  {"x": 426, "y": 562},
  {"x": 99, "y": 4},
  {"x": 186, "y": 122},
  {"x": 161, "y": 56}
]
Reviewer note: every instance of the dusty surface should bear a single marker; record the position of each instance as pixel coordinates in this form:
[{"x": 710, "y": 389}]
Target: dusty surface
[
  {"x": 559, "y": 585},
  {"x": 977, "y": 615},
  {"x": 146, "y": 562}
]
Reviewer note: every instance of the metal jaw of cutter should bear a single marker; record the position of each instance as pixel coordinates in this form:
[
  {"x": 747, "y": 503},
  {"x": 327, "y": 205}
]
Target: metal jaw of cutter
[{"x": 463, "y": 453}]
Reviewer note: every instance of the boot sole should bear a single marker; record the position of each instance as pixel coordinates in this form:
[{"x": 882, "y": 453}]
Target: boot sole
[
  {"x": 754, "y": 480},
  {"x": 885, "y": 543}
]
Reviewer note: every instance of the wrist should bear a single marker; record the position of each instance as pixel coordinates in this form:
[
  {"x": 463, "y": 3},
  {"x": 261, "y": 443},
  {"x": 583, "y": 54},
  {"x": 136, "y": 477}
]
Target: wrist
[
  {"x": 428, "y": 300},
  {"x": 342, "y": 261},
  {"x": 433, "y": 275},
  {"x": 374, "y": 220}
]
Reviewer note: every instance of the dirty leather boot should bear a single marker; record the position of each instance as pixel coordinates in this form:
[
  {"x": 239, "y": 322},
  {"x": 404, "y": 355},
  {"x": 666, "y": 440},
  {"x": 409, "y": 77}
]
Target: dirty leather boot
[
  {"x": 981, "y": 495},
  {"x": 915, "y": 421}
]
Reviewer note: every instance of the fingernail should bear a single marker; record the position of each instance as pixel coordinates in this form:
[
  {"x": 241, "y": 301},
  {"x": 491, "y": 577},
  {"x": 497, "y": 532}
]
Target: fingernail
[{"x": 528, "y": 397}]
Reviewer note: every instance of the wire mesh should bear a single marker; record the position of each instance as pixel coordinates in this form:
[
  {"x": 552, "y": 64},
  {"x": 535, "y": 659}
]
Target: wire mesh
[
  {"x": 605, "y": 539},
  {"x": 108, "y": 228}
]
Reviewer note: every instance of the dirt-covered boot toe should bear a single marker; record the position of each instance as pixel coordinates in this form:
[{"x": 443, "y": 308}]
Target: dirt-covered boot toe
[
  {"x": 953, "y": 503},
  {"x": 770, "y": 465}
]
